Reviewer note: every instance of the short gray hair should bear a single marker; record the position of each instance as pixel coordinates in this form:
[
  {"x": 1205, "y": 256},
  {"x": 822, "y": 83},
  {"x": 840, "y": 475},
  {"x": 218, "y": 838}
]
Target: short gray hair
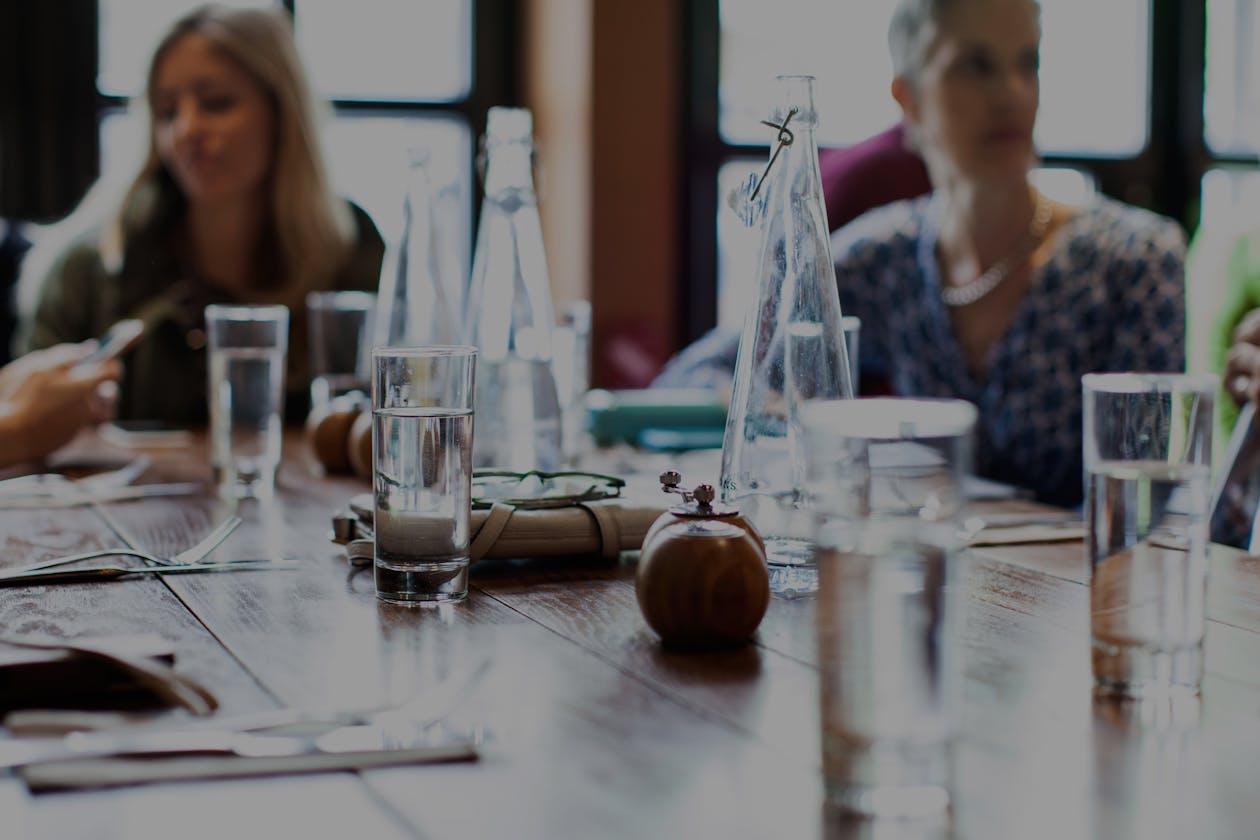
[{"x": 910, "y": 32}]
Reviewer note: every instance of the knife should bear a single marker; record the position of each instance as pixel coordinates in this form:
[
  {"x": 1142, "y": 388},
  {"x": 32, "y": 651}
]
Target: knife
[
  {"x": 94, "y": 573},
  {"x": 350, "y": 739}
]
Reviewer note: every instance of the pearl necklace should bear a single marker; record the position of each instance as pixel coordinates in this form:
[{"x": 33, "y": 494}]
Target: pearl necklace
[{"x": 969, "y": 293}]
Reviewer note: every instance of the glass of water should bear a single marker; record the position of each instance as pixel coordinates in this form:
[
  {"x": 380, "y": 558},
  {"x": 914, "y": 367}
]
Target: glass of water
[
  {"x": 247, "y": 346},
  {"x": 422, "y": 435},
  {"x": 338, "y": 327},
  {"x": 1148, "y": 444},
  {"x": 885, "y": 484}
]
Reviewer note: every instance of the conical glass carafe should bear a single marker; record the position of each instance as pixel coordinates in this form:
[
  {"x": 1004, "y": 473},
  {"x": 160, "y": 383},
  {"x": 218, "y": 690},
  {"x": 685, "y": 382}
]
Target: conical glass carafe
[
  {"x": 414, "y": 307},
  {"x": 792, "y": 347},
  {"x": 510, "y": 315}
]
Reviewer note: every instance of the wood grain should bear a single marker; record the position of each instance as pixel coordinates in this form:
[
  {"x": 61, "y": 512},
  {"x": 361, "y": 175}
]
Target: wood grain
[{"x": 596, "y": 730}]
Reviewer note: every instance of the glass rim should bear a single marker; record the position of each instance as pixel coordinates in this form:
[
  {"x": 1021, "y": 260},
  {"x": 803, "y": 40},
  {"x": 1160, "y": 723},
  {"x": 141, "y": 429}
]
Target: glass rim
[
  {"x": 246, "y": 311},
  {"x": 426, "y": 351},
  {"x": 1141, "y": 382},
  {"x": 891, "y": 418},
  {"x": 366, "y": 300}
]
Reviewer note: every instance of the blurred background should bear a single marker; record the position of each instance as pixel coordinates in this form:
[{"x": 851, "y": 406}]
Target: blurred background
[{"x": 647, "y": 112}]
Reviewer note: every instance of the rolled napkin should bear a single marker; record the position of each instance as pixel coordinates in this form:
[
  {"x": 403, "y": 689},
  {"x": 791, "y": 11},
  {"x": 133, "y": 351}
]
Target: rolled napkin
[{"x": 601, "y": 528}]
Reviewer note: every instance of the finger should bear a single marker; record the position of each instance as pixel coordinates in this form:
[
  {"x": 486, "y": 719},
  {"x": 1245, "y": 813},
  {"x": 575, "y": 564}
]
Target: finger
[{"x": 1248, "y": 328}]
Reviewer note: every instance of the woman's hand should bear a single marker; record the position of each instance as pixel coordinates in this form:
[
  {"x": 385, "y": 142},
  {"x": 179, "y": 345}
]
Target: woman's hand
[
  {"x": 46, "y": 397},
  {"x": 1242, "y": 362}
]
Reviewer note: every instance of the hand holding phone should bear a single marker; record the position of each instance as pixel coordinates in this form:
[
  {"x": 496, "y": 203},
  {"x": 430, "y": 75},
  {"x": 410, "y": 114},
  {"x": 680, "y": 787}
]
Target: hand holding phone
[{"x": 117, "y": 340}]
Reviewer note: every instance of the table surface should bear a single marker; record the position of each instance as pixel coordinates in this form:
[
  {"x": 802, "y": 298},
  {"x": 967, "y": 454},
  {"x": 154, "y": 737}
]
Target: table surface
[{"x": 593, "y": 729}]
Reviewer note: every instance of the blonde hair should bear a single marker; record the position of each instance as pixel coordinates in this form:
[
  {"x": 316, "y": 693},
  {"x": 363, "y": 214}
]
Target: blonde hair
[{"x": 313, "y": 229}]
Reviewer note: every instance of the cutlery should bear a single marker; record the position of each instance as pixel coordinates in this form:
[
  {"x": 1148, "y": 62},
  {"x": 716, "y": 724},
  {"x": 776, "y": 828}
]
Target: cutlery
[
  {"x": 355, "y": 738},
  {"x": 98, "y": 573},
  {"x": 188, "y": 556}
]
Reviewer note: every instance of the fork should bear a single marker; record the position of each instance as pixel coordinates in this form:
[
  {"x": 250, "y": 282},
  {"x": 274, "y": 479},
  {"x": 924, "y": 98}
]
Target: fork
[{"x": 188, "y": 556}]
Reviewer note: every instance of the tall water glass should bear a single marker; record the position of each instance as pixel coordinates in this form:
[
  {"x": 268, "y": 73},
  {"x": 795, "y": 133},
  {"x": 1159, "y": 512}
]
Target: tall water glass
[
  {"x": 885, "y": 480},
  {"x": 1148, "y": 444},
  {"x": 247, "y": 346},
  {"x": 339, "y": 337},
  {"x": 422, "y": 436}
]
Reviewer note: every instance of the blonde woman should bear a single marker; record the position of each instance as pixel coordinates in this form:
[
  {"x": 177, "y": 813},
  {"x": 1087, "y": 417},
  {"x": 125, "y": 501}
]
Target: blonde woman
[{"x": 232, "y": 204}]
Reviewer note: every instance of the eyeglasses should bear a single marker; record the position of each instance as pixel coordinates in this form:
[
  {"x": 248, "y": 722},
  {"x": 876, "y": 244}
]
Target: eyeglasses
[{"x": 537, "y": 489}]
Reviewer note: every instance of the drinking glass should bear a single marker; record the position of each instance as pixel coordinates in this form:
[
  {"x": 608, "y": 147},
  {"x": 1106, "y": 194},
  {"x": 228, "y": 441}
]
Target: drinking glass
[
  {"x": 571, "y": 360},
  {"x": 339, "y": 329},
  {"x": 852, "y": 327},
  {"x": 247, "y": 346},
  {"x": 1148, "y": 444},
  {"x": 422, "y": 436},
  {"x": 885, "y": 482}
]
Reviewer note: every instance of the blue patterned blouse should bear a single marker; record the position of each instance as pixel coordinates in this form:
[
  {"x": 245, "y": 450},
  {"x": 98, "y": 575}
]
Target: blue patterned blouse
[{"x": 1109, "y": 298}]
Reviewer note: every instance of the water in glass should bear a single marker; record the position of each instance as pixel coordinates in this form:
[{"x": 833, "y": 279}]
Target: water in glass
[
  {"x": 245, "y": 409},
  {"x": 423, "y": 502},
  {"x": 1147, "y": 551}
]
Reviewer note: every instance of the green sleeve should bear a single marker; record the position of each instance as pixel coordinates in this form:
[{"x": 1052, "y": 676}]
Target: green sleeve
[
  {"x": 67, "y": 303},
  {"x": 1242, "y": 294}
]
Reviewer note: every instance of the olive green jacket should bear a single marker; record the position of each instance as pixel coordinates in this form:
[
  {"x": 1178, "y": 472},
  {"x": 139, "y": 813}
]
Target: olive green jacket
[{"x": 165, "y": 375}]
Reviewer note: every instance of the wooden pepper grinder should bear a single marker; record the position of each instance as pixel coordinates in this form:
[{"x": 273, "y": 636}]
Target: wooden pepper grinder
[{"x": 702, "y": 579}]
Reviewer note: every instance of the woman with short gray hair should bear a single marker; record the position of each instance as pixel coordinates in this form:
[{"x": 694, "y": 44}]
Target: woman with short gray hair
[{"x": 987, "y": 289}]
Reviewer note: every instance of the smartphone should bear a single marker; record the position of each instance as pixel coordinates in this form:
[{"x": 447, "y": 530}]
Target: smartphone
[
  {"x": 136, "y": 434},
  {"x": 117, "y": 340}
]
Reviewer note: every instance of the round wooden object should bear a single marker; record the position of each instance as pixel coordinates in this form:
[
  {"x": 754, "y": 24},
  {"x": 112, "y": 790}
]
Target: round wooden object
[
  {"x": 360, "y": 446},
  {"x": 328, "y": 433},
  {"x": 702, "y": 582}
]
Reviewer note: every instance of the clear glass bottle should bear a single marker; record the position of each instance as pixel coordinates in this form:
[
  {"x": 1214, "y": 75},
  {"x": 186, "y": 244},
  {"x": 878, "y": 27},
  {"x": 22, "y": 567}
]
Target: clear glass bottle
[
  {"x": 792, "y": 347},
  {"x": 510, "y": 315},
  {"x": 414, "y": 306}
]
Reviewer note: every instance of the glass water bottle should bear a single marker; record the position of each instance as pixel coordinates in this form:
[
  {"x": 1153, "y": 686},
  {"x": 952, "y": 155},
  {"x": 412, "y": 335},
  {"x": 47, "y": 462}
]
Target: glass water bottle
[
  {"x": 414, "y": 305},
  {"x": 792, "y": 347},
  {"x": 509, "y": 315}
]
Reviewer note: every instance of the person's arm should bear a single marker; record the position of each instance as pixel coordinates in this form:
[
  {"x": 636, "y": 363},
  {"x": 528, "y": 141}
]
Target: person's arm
[
  {"x": 46, "y": 398},
  {"x": 61, "y": 299}
]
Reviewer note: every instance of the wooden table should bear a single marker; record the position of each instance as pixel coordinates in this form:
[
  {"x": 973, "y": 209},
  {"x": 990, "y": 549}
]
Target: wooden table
[{"x": 595, "y": 731}]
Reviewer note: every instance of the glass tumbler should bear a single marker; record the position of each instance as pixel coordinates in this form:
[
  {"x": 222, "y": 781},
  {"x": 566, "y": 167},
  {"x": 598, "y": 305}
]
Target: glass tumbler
[
  {"x": 885, "y": 483},
  {"x": 1148, "y": 445},
  {"x": 339, "y": 331},
  {"x": 422, "y": 436},
  {"x": 247, "y": 347}
]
